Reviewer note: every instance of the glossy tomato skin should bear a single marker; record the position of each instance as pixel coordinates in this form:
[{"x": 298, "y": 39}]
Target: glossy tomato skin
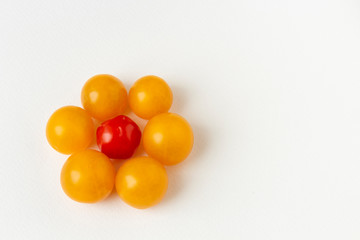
[
  {"x": 150, "y": 96},
  {"x": 118, "y": 137},
  {"x": 70, "y": 129},
  {"x": 168, "y": 138},
  {"x": 141, "y": 182},
  {"x": 104, "y": 97},
  {"x": 88, "y": 176}
]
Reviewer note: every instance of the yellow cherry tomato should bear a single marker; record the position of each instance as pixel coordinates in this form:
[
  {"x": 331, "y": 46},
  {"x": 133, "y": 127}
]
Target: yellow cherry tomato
[
  {"x": 168, "y": 138},
  {"x": 141, "y": 182},
  {"x": 70, "y": 129},
  {"x": 104, "y": 96},
  {"x": 88, "y": 176},
  {"x": 149, "y": 96}
]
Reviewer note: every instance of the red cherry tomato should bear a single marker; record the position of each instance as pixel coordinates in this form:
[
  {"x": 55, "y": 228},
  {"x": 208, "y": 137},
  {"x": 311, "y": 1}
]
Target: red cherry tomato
[{"x": 118, "y": 137}]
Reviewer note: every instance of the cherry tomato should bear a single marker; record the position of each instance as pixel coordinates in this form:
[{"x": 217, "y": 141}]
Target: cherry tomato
[
  {"x": 88, "y": 176},
  {"x": 168, "y": 138},
  {"x": 104, "y": 96},
  {"x": 149, "y": 96},
  {"x": 141, "y": 182},
  {"x": 119, "y": 137},
  {"x": 70, "y": 129}
]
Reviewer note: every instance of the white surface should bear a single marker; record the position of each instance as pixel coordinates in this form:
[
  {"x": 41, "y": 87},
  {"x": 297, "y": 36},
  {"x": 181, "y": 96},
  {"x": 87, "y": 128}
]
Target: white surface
[{"x": 271, "y": 89}]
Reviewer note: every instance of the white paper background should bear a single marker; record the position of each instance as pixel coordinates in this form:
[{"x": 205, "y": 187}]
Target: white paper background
[{"x": 271, "y": 89}]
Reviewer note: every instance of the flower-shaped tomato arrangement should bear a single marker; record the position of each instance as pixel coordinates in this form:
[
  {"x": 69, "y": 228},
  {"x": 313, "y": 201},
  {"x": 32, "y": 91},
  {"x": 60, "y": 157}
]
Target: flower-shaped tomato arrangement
[{"x": 89, "y": 175}]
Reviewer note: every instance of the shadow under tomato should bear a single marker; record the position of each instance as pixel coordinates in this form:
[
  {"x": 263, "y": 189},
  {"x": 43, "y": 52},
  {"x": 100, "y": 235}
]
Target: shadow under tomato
[
  {"x": 179, "y": 99},
  {"x": 176, "y": 181},
  {"x": 201, "y": 143},
  {"x": 139, "y": 151}
]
